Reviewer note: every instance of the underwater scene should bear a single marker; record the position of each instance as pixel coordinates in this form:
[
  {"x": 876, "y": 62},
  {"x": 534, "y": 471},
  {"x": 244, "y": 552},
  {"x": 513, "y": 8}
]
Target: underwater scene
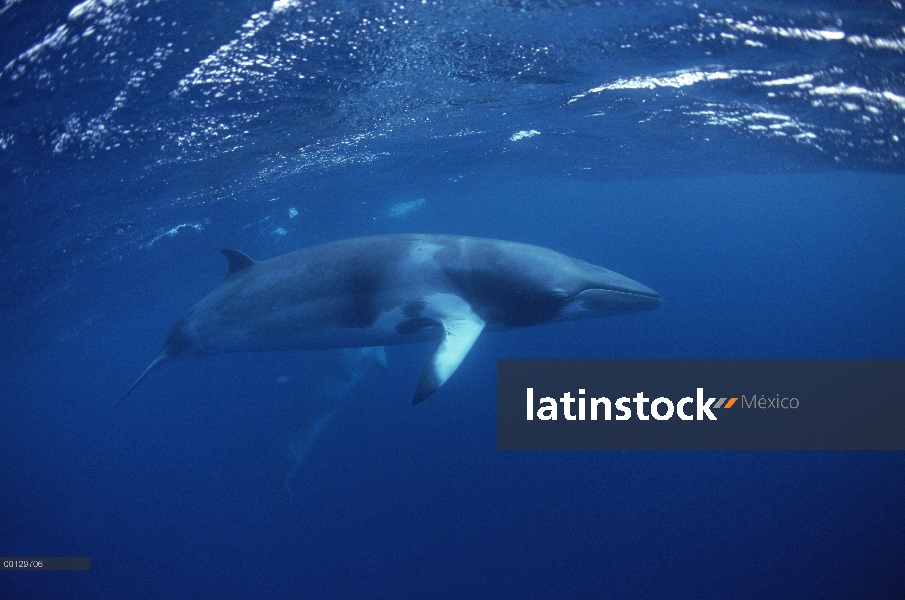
[{"x": 735, "y": 172}]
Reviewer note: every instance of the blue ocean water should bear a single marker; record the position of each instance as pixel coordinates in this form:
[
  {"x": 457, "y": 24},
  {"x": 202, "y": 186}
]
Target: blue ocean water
[{"x": 745, "y": 160}]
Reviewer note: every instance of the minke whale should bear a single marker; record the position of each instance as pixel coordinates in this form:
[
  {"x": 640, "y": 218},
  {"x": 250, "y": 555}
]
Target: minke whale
[{"x": 396, "y": 289}]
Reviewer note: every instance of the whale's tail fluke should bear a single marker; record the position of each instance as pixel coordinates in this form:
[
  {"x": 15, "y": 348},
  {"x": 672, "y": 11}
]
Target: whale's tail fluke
[
  {"x": 156, "y": 362},
  {"x": 301, "y": 443},
  {"x": 337, "y": 374}
]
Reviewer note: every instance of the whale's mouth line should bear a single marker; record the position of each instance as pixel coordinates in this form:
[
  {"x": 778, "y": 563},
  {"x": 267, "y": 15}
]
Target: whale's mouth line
[
  {"x": 633, "y": 292},
  {"x": 628, "y": 291},
  {"x": 614, "y": 300}
]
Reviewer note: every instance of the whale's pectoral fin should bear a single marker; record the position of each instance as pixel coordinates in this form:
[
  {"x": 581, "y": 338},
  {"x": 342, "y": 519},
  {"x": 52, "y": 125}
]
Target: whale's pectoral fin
[{"x": 459, "y": 334}]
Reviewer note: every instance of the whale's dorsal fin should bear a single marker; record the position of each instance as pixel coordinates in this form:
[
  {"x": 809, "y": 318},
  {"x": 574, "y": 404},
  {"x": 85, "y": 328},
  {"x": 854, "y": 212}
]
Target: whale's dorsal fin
[
  {"x": 237, "y": 261},
  {"x": 461, "y": 327}
]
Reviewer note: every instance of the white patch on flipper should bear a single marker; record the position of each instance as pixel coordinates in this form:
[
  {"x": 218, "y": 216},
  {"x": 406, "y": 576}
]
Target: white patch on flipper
[
  {"x": 460, "y": 336},
  {"x": 461, "y": 327}
]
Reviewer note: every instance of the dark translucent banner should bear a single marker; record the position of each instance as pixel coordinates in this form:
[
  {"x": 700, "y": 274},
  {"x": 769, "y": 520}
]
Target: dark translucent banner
[
  {"x": 701, "y": 404},
  {"x": 45, "y": 563}
]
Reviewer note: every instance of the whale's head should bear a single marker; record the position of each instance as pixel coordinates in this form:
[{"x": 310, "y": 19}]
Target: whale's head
[
  {"x": 516, "y": 285},
  {"x": 602, "y": 292}
]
